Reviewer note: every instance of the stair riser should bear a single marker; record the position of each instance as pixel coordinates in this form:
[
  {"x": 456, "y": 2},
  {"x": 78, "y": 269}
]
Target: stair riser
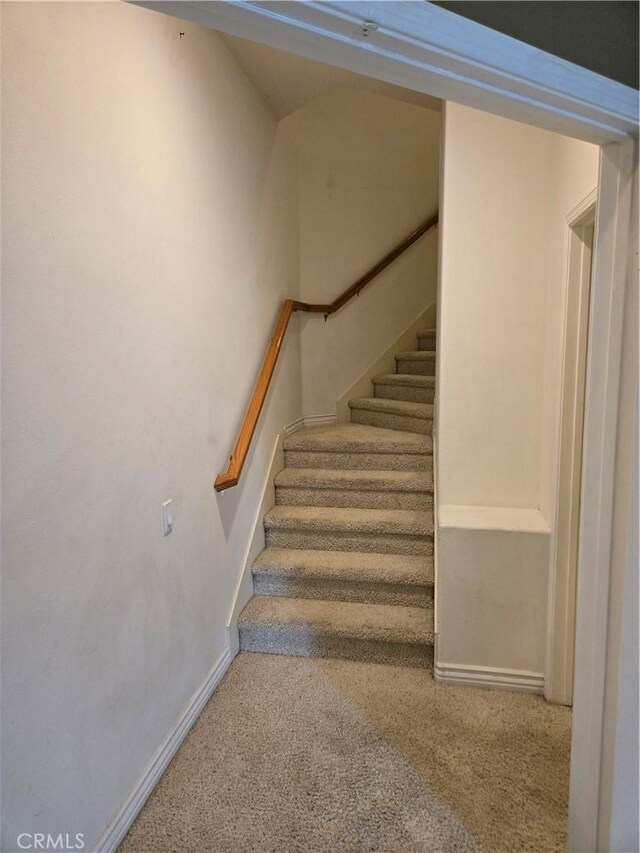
[
  {"x": 335, "y": 540},
  {"x": 406, "y": 393},
  {"x": 359, "y": 461},
  {"x": 331, "y": 589},
  {"x": 301, "y": 642},
  {"x": 358, "y": 499},
  {"x": 426, "y": 344},
  {"x": 417, "y": 368},
  {"x": 422, "y": 426}
]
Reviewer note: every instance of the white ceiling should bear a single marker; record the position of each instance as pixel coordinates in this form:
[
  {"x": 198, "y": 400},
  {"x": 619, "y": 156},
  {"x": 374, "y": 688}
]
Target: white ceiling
[{"x": 287, "y": 82}]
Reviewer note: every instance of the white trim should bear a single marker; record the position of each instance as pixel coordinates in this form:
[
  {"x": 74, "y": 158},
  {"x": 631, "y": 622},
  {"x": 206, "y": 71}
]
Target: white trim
[
  {"x": 309, "y": 421},
  {"x": 507, "y": 518},
  {"x": 582, "y": 208},
  {"x": 436, "y": 621},
  {"x": 483, "y": 676},
  {"x": 244, "y": 585},
  {"x": 320, "y": 420},
  {"x": 294, "y": 426},
  {"x": 428, "y": 49},
  {"x": 598, "y": 478},
  {"x": 386, "y": 362},
  {"x": 568, "y": 464},
  {"x": 158, "y": 764}
]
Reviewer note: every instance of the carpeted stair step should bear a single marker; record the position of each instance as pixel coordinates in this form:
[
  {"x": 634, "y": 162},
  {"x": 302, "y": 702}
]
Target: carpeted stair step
[
  {"x": 372, "y": 489},
  {"x": 311, "y": 628},
  {"x": 358, "y": 447},
  {"x": 427, "y": 339},
  {"x": 344, "y": 576},
  {"x": 392, "y": 414},
  {"x": 385, "y": 531},
  {"x": 416, "y": 362},
  {"x": 409, "y": 387}
]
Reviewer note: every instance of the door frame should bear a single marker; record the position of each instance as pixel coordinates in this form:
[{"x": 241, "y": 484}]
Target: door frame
[
  {"x": 426, "y": 48},
  {"x": 618, "y": 162},
  {"x": 580, "y": 240}
]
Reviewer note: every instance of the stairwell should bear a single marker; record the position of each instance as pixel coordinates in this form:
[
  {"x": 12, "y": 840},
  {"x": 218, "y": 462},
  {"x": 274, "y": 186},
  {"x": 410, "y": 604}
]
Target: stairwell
[{"x": 347, "y": 570}]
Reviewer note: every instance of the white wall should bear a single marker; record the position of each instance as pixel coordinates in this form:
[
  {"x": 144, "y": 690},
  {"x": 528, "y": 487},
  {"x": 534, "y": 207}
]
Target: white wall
[
  {"x": 506, "y": 190},
  {"x": 149, "y": 234},
  {"x": 573, "y": 175},
  {"x": 492, "y": 588},
  {"x": 368, "y": 175}
]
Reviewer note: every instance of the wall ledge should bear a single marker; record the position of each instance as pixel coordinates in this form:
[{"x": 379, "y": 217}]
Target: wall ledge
[
  {"x": 469, "y": 675},
  {"x": 493, "y": 518}
]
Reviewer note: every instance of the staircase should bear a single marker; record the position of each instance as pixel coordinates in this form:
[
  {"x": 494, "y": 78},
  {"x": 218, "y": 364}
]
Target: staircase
[{"x": 348, "y": 566}]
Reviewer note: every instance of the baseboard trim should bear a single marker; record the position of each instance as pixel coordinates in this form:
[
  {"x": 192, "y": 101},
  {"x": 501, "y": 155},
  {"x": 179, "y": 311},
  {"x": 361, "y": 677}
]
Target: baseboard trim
[
  {"x": 294, "y": 426},
  {"x": 386, "y": 362},
  {"x": 436, "y": 576},
  {"x": 311, "y": 420},
  {"x": 136, "y": 800},
  {"x": 244, "y": 586},
  {"x": 483, "y": 676},
  {"x": 319, "y": 420}
]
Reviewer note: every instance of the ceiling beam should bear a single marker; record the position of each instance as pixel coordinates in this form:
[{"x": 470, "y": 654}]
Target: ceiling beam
[{"x": 426, "y": 48}]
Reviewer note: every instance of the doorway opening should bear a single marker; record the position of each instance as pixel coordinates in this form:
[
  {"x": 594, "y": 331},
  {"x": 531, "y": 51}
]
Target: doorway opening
[{"x": 564, "y": 562}]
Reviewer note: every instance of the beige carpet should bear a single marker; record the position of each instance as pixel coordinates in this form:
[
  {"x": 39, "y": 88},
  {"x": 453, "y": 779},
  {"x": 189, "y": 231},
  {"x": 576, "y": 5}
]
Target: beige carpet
[{"x": 299, "y": 754}]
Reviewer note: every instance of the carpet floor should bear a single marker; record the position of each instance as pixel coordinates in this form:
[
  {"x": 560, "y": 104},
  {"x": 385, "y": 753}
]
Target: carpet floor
[{"x": 303, "y": 754}]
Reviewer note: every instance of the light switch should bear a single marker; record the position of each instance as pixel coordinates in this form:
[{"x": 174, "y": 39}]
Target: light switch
[{"x": 167, "y": 520}]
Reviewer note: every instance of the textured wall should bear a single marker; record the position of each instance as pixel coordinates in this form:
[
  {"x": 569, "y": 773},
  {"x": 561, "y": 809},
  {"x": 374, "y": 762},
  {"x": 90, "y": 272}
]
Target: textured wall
[
  {"x": 507, "y": 189},
  {"x": 149, "y": 234},
  {"x": 367, "y": 176}
]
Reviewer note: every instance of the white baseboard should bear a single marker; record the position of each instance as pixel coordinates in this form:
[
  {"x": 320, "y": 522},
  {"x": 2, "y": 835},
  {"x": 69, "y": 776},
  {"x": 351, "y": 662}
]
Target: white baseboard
[
  {"x": 484, "y": 676},
  {"x": 320, "y": 420},
  {"x": 119, "y": 827},
  {"x": 244, "y": 585},
  {"x": 436, "y": 577},
  {"x": 294, "y": 426},
  {"x": 310, "y": 420},
  {"x": 385, "y": 363}
]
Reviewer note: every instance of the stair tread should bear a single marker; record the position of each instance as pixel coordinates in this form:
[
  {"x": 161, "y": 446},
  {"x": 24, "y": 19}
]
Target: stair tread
[
  {"x": 393, "y": 407},
  {"x": 357, "y": 438},
  {"x": 426, "y": 333},
  {"x": 382, "y": 622},
  {"x": 364, "y": 567},
  {"x": 350, "y": 520},
  {"x": 415, "y": 380},
  {"x": 328, "y": 478},
  {"x": 416, "y": 355}
]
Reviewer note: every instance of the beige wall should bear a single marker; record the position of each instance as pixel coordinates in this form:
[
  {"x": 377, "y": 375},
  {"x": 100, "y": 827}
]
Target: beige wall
[
  {"x": 156, "y": 214},
  {"x": 506, "y": 191},
  {"x": 573, "y": 175},
  {"x": 149, "y": 234},
  {"x": 367, "y": 176},
  {"x": 507, "y": 188}
]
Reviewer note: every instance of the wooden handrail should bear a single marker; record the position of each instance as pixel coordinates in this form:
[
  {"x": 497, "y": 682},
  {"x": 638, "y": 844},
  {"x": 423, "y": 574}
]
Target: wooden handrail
[{"x": 236, "y": 462}]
